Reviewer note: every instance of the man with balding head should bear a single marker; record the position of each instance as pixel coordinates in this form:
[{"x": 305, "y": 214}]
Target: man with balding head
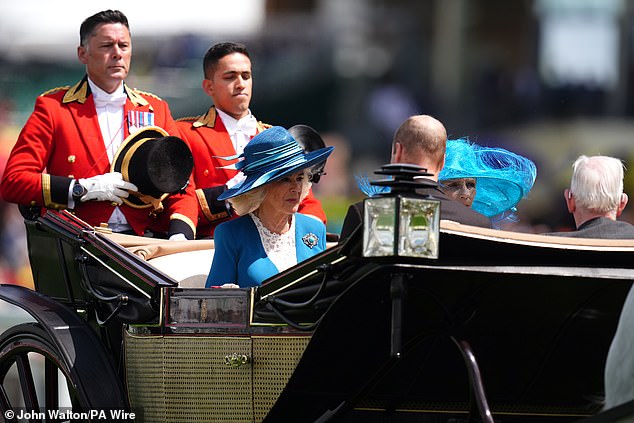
[
  {"x": 596, "y": 198},
  {"x": 421, "y": 140}
]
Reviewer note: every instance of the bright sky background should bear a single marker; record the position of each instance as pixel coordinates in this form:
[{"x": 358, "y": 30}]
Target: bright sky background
[{"x": 47, "y": 28}]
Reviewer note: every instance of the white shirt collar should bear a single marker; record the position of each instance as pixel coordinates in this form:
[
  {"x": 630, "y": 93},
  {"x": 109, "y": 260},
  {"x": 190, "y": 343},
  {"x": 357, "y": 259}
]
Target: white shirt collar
[
  {"x": 231, "y": 123},
  {"x": 98, "y": 93}
]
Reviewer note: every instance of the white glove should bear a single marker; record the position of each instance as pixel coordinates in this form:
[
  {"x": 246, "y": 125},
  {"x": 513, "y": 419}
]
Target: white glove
[
  {"x": 235, "y": 180},
  {"x": 107, "y": 187},
  {"x": 178, "y": 237}
]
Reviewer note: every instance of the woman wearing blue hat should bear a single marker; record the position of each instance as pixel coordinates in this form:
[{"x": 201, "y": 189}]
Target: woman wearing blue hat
[
  {"x": 269, "y": 236},
  {"x": 490, "y": 180}
]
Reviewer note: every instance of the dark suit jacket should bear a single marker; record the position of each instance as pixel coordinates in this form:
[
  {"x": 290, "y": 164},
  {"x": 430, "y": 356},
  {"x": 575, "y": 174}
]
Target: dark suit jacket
[
  {"x": 449, "y": 210},
  {"x": 601, "y": 227}
]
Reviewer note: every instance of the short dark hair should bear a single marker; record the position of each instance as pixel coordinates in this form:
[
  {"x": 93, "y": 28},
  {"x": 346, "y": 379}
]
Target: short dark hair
[
  {"x": 89, "y": 25},
  {"x": 217, "y": 52}
]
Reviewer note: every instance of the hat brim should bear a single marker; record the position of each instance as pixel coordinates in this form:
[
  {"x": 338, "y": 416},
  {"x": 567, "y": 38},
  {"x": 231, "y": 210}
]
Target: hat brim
[
  {"x": 257, "y": 180},
  {"x": 130, "y": 142},
  {"x": 495, "y": 196},
  {"x": 503, "y": 178}
]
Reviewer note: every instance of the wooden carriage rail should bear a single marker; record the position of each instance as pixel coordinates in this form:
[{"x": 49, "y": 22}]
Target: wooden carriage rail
[
  {"x": 149, "y": 248},
  {"x": 563, "y": 242}
]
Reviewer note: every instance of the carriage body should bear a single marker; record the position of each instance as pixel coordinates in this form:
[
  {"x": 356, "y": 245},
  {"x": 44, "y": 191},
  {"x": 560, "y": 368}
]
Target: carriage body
[{"x": 500, "y": 327}]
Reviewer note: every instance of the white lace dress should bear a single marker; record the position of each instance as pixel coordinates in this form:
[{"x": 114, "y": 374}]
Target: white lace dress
[{"x": 280, "y": 248}]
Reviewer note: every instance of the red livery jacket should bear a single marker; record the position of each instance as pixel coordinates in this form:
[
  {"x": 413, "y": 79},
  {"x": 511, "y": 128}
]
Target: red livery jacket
[
  {"x": 62, "y": 141},
  {"x": 207, "y": 137}
]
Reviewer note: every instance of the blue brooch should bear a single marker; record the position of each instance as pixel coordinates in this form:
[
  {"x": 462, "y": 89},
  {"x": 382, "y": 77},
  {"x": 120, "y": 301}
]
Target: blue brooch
[{"x": 310, "y": 239}]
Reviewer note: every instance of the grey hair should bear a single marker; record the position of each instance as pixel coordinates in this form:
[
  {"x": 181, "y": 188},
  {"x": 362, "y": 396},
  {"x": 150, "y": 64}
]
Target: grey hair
[
  {"x": 597, "y": 183},
  {"x": 88, "y": 26},
  {"x": 251, "y": 200}
]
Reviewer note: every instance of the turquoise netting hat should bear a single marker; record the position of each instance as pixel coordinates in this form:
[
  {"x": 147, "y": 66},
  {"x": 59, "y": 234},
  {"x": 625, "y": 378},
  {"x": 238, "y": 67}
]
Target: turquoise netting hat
[{"x": 502, "y": 178}]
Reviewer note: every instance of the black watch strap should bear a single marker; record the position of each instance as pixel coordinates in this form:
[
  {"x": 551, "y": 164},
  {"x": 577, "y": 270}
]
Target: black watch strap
[{"x": 78, "y": 191}]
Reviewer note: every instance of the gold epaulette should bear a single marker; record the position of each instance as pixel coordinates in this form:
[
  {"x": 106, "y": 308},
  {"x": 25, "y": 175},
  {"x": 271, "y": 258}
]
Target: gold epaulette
[
  {"x": 188, "y": 118},
  {"x": 147, "y": 93},
  {"x": 53, "y": 90},
  {"x": 262, "y": 126}
]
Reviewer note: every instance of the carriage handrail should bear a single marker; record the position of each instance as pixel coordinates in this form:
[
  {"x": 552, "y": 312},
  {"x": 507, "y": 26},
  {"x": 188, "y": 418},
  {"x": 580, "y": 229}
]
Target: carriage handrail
[{"x": 449, "y": 226}]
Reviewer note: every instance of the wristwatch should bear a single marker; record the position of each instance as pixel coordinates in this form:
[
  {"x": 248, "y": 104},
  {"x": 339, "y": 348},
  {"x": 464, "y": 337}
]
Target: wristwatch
[{"x": 78, "y": 191}]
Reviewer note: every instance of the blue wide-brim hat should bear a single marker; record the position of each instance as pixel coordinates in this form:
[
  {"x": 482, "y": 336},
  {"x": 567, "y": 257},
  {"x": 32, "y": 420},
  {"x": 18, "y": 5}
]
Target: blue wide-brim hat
[
  {"x": 503, "y": 177},
  {"x": 269, "y": 156}
]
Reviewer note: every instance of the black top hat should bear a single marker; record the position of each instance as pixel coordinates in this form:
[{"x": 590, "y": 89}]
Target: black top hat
[
  {"x": 310, "y": 140},
  {"x": 157, "y": 163}
]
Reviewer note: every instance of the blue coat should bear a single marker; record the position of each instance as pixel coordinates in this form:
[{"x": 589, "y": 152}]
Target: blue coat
[{"x": 239, "y": 256}]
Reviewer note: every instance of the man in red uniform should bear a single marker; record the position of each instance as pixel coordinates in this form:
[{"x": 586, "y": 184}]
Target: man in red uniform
[
  {"x": 63, "y": 155},
  {"x": 223, "y": 131}
]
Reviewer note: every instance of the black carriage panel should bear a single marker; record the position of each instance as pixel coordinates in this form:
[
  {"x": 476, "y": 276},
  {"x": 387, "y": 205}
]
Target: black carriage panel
[
  {"x": 300, "y": 296},
  {"x": 540, "y": 341},
  {"x": 76, "y": 265},
  {"x": 55, "y": 271}
]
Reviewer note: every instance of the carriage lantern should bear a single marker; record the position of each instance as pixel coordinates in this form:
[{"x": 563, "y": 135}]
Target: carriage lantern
[{"x": 398, "y": 221}]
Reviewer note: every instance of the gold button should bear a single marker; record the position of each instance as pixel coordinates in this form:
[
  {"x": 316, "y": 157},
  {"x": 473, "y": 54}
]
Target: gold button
[
  {"x": 71, "y": 176},
  {"x": 206, "y": 172},
  {"x": 71, "y": 158}
]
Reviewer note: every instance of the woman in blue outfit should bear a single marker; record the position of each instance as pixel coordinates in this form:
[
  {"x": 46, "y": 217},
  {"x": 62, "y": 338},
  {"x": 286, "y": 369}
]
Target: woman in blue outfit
[
  {"x": 490, "y": 180},
  {"x": 269, "y": 236}
]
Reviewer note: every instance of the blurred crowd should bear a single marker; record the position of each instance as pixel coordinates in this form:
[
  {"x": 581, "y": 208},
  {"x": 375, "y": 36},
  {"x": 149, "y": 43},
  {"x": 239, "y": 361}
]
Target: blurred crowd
[{"x": 14, "y": 262}]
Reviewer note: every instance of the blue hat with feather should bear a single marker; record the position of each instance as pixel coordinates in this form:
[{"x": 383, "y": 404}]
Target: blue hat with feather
[
  {"x": 503, "y": 178},
  {"x": 269, "y": 156}
]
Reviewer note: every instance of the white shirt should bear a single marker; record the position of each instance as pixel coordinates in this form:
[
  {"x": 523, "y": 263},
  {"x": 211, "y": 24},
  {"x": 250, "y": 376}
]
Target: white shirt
[
  {"x": 111, "y": 120},
  {"x": 240, "y": 131},
  {"x": 110, "y": 114}
]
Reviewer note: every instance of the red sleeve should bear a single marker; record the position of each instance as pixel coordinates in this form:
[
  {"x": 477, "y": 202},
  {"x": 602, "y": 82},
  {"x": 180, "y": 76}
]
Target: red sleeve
[
  {"x": 312, "y": 206},
  {"x": 22, "y": 179}
]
